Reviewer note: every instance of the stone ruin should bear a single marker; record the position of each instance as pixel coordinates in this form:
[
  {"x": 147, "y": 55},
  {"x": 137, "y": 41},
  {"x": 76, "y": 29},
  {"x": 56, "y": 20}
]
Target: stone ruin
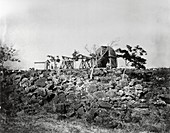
[{"x": 107, "y": 100}]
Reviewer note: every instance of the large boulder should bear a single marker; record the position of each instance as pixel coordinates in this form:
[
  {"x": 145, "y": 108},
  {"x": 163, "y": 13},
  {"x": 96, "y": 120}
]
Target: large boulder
[
  {"x": 41, "y": 82},
  {"x": 104, "y": 104},
  {"x": 60, "y": 108},
  {"x": 99, "y": 94},
  {"x": 71, "y": 97},
  {"x": 165, "y": 98},
  {"x": 61, "y": 97},
  {"x": 92, "y": 88}
]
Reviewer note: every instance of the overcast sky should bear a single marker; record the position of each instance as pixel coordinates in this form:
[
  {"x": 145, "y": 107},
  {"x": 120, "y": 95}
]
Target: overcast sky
[{"x": 57, "y": 27}]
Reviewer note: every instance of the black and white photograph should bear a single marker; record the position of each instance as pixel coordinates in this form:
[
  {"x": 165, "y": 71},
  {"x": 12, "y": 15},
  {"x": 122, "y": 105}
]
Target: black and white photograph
[{"x": 84, "y": 66}]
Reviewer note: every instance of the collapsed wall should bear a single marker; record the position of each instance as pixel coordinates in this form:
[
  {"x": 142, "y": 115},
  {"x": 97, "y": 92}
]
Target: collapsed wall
[{"x": 109, "y": 99}]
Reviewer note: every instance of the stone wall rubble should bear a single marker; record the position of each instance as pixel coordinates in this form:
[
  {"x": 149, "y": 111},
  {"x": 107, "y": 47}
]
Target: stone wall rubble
[{"x": 109, "y": 99}]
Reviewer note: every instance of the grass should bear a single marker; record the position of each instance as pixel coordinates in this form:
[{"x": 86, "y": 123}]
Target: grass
[{"x": 49, "y": 123}]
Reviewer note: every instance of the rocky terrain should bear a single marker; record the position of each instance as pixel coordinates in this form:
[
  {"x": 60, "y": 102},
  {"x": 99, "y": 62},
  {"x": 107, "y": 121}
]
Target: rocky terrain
[{"x": 137, "y": 101}]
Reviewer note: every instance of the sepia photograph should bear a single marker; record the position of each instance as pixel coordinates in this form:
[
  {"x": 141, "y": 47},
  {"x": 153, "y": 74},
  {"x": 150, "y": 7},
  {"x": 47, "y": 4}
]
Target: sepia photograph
[{"x": 84, "y": 66}]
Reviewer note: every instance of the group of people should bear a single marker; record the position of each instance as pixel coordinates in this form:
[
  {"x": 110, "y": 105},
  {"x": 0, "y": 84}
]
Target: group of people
[{"x": 51, "y": 62}]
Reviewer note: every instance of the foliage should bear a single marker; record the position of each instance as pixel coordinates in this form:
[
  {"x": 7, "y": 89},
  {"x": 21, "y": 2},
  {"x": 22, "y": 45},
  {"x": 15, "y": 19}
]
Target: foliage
[
  {"x": 133, "y": 56},
  {"x": 7, "y": 54},
  {"x": 6, "y": 83}
]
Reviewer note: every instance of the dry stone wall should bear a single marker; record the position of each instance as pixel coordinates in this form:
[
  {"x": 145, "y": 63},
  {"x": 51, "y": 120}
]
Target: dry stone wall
[{"x": 109, "y": 99}]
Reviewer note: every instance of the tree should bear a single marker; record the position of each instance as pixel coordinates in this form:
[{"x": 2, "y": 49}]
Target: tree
[
  {"x": 7, "y": 54},
  {"x": 133, "y": 56}
]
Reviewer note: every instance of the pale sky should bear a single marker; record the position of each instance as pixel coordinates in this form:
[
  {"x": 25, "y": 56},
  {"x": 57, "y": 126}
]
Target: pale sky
[{"x": 41, "y": 27}]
